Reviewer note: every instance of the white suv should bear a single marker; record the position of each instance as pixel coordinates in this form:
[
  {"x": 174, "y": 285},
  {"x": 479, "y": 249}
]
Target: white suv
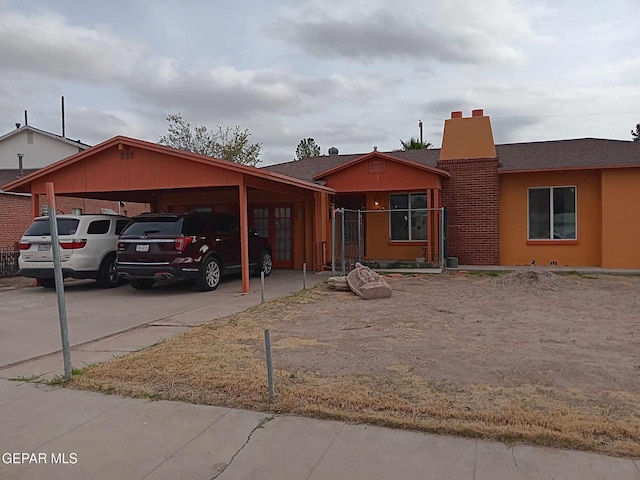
[{"x": 88, "y": 248}]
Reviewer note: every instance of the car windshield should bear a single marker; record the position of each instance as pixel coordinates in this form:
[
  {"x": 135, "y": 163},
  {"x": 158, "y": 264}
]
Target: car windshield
[
  {"x": 155, "y": 226},
  {"x": 66, "y": 226}
]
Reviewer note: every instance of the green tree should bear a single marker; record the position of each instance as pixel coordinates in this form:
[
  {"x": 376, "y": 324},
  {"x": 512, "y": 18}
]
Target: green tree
[
  {"x": 636, "y": 134},
  {"x": 414, "y": 144},
  {"x": 227, "y": 143},
  {"x": 307, "y": 148}
]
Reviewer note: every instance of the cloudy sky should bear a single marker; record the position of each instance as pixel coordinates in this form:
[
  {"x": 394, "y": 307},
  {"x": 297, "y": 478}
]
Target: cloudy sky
[{"x": 351, "y": 74}]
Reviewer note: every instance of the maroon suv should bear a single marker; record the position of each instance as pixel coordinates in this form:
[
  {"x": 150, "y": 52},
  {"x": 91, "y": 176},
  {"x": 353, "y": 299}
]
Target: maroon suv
[{"x": 197, "y": 247}]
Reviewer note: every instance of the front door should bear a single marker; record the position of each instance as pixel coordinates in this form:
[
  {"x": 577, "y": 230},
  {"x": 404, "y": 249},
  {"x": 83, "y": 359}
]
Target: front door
[{"x": 274, "y": 222}]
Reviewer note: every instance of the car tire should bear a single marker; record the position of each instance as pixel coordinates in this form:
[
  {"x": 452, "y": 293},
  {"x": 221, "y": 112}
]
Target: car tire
[
  {"x": 264, "y": 263},
  {"x": 107, "y": 275},
  {"x": 210, "y": 274},
  {"x": 46, "y": 282},
  {"x": 142, "y": 283}
]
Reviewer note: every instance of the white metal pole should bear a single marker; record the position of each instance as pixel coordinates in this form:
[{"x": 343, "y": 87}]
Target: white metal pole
[
  {"x": 267, "y": 347},
  {"x": 333, "y": 242},
  {"x": 304, "y": 276},
  {"x": 57, "y": 271}
]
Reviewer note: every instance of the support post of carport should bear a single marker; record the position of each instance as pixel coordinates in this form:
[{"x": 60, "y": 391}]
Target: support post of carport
[
  {"x": 35, "y": 205},
  {"x": 244, "y": 234}
]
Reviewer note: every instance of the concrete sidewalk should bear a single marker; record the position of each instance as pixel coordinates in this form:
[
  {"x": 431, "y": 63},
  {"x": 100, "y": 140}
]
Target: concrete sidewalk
[{"x": 107, "y": 437}]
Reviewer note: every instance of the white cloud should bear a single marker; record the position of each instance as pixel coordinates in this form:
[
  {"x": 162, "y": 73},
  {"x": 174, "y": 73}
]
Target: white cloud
[
  {"x": 350, "y": 73},
  {"x": 228, "y": 92},
  {"x": 456, "y": 31},
  {"x": 46, "y": 43}
]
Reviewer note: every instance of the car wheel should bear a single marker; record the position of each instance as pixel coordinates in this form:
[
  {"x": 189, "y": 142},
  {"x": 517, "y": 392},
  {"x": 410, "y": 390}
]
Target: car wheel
[
  {"x": 264, "y": 264},
  {"x": 142, "y": 283},
  {"x": 210, "y": 274},
  {"x": 107, "y": 275},
  {"x": 46, "y": 282}
]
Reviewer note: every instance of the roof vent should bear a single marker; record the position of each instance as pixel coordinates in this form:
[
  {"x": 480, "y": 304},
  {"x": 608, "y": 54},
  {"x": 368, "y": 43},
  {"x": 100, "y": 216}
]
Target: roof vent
[{"x": 333, "y": 151}]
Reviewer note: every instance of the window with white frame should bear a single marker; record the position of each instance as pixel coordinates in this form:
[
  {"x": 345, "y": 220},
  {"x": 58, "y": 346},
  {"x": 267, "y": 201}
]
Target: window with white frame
[
  {"x": 408, "y": 217},
  {"x": 552, "y": 213}
]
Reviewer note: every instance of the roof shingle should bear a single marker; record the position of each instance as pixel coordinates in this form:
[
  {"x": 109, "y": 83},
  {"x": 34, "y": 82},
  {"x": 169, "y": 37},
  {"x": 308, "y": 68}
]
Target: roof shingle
[{"x": 514, "y": 157}]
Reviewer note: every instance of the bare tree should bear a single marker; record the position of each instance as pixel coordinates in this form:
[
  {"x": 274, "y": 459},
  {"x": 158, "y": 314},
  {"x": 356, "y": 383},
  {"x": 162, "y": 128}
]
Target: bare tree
[{"x": 227, "y": 143}]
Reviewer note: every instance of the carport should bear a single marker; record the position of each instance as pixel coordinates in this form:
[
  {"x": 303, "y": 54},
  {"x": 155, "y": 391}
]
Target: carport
[{"x": 292, "y": 212}]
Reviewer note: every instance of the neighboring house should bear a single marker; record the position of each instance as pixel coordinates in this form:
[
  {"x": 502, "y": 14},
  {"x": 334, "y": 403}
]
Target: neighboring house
[
  {"x": 568, "y": 202},
  {"x": 15, "y": 210},
  {"x": 37, "y": 149}
]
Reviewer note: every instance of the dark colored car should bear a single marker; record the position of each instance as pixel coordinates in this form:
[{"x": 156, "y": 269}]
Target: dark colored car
[{"x": 197, "y": 247}]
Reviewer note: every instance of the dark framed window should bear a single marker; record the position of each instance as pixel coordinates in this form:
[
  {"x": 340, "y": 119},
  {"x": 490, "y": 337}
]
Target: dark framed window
[
  {"x": 552, "y": 213},
  {"x": 408, "y": 217},
  {"x": 98, "y": 227},
  {"x": 66, "y": 226}
]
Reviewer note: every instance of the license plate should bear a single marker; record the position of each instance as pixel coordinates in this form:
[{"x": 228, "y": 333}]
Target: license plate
[
  {"x": 44, "y": 247},
  {"x": 142, "y": 247}
]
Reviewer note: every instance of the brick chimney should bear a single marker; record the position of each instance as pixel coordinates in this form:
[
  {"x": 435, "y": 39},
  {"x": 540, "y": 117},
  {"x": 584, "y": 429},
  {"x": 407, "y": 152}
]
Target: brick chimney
[{"x": 472, "y": 194}]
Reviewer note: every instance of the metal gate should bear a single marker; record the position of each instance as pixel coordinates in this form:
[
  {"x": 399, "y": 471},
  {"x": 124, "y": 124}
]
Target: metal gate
[
  {"x": 8, "y": 261},
  {"x": 374, "y": 237}
]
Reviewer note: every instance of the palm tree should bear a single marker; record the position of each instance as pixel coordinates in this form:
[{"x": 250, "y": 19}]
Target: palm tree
[{"x": 415, "y": 144}]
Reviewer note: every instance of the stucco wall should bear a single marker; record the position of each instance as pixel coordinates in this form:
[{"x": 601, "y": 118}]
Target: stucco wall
[
  {"x": 621, "y": 218},
  {"x": 515, "y": 249}
]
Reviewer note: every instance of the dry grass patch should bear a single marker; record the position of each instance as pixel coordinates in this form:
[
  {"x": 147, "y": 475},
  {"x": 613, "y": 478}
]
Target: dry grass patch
[{"x": 451, "y": 354}]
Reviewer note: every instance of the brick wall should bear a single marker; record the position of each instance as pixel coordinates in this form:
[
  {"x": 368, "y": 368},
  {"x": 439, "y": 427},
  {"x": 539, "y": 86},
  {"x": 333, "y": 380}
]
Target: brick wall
[
  {"x": 471, "y": 197},
  {"x": 15, "y": 218},
  {"x": 15, "y": 212},
  {"x": 88, "y": 205}
]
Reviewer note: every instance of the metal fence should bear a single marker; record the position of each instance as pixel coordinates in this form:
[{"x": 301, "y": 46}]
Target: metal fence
[
  {"x": 387, "y": 238},
  {"x": 8, "y": 261}
]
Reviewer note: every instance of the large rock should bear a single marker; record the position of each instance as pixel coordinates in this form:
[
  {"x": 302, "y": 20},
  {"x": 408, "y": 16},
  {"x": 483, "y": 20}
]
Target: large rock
[{"x": 368, "y": 284}]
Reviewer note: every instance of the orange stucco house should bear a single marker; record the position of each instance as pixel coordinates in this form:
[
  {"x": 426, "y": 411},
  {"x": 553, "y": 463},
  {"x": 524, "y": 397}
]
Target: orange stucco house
[{"x": 566, "y": 203}]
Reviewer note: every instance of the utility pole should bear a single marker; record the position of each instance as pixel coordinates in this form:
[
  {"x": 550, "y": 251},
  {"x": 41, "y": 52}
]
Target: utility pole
[{"x": 420, "y": 127}]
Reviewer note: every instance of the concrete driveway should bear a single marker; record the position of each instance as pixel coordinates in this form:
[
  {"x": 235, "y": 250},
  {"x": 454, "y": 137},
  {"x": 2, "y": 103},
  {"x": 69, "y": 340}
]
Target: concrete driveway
[{"x": 29, "y": 325}]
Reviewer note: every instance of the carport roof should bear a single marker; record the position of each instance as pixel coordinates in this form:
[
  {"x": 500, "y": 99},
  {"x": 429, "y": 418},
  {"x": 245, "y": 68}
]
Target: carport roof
[{"x": 23, "y": 184}]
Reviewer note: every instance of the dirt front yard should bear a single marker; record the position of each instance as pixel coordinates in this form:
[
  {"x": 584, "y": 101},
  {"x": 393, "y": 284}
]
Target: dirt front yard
[{"x": 527, "y": 356}]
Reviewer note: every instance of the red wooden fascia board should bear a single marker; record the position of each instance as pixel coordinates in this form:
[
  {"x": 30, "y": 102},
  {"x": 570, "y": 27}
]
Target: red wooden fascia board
[{"x": 383, "y": 156}]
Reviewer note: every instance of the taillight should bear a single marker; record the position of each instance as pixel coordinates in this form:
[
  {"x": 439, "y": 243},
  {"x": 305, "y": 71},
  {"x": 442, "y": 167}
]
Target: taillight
[
  {"x": 24, "y": 245},
  {"x": 73, "y": 244},
  {"x": 182, "y": 242},
  {"x": 119, "y": 245}
]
